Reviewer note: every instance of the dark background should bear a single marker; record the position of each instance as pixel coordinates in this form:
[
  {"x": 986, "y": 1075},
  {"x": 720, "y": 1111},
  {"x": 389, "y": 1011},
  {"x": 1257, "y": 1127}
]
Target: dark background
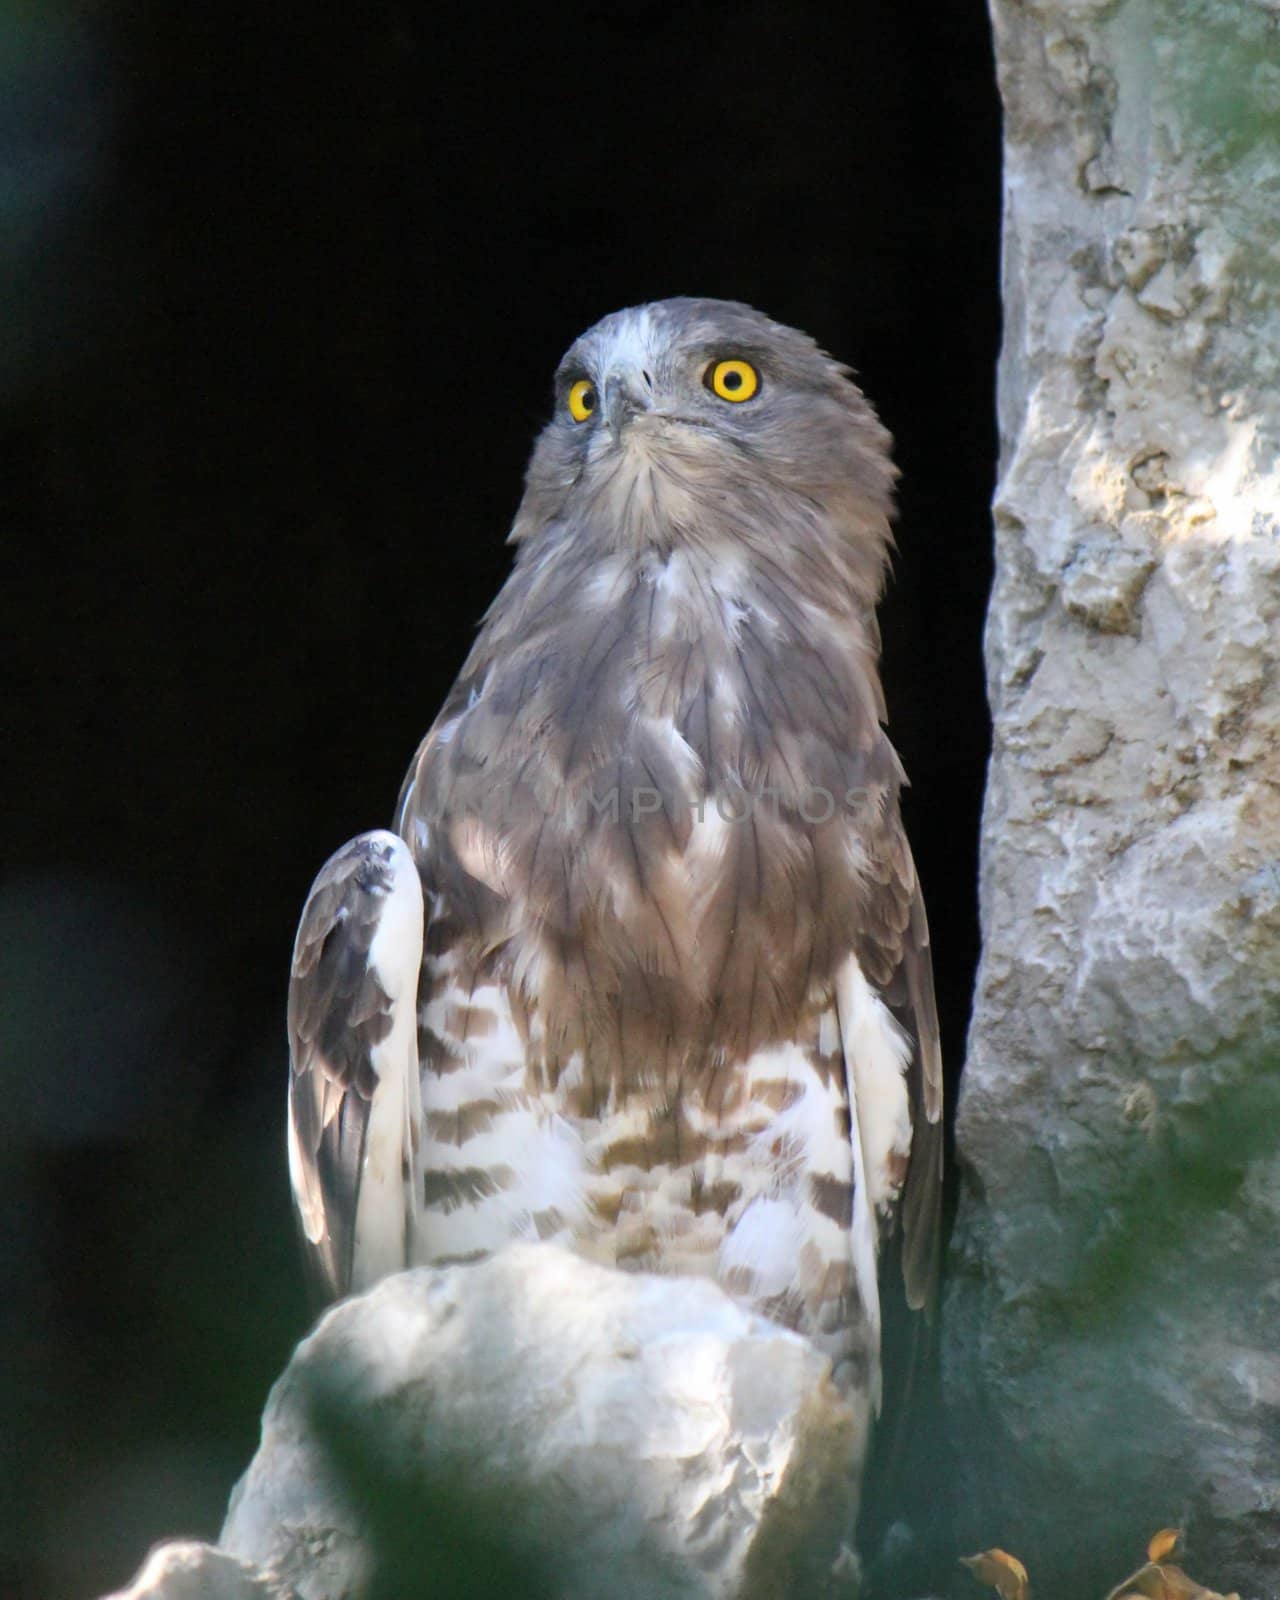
[{"x": 282, "y": 296}]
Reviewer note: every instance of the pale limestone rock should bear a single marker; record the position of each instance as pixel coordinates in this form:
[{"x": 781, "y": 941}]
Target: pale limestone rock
[
  {"x": 602, "y": 1432},
  {"x": 187, "y": 1570},
  {"x": 1116, "y": 1273}
]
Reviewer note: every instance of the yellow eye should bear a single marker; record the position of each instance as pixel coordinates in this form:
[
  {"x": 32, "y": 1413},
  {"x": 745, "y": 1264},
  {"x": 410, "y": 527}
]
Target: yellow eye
[
  {"x": 582, "y": 399},
  {"x": 732, "y": 380}
]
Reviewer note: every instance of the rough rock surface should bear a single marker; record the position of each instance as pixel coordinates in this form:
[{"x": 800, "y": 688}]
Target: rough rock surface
[
  {"x": 186, "y": 1570},
  {"x": 580, "y": 1430},
  {"x": 1112, "y": 1358}
]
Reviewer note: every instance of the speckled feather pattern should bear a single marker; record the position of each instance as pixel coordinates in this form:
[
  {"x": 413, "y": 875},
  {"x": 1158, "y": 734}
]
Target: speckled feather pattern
[
  {"x": 641, "y": 905},
  {"x": 676, "y": 1006}
]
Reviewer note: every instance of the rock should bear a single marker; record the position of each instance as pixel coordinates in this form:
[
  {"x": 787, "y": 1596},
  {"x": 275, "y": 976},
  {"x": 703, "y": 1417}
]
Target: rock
[
  {"x": 187, "y": 1570},
  {"x": 1115, "y": 1285},
  {"x": 538, "y": 1424}
]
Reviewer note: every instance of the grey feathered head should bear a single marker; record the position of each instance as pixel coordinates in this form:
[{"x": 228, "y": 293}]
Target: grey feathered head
[{"x": 668, "y": 412}]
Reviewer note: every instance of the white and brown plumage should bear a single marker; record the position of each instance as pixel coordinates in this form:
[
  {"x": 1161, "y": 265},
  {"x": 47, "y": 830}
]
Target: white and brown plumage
[{"x": 674, "y": 1003}]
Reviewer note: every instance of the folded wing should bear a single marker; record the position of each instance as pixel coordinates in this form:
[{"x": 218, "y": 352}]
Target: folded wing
[
  {"x": 894, "y": 1066},
  {"x": 355, "y": 1107}
]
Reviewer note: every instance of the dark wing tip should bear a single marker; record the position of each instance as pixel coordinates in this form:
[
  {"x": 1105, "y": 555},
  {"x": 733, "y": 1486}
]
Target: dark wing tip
[{"x": 922, "y": 1194}]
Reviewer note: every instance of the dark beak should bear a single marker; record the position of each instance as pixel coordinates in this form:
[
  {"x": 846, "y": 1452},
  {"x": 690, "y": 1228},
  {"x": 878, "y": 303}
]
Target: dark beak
[{"x": 626, "y": 394}]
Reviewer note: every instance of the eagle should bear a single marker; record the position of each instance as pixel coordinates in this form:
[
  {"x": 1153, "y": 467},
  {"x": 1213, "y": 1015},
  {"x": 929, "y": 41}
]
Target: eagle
[{"x": 643, "y": 966}]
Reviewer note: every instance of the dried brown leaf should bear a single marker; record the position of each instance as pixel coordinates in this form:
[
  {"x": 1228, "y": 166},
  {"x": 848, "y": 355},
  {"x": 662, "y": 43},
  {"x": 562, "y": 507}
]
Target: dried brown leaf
[
  {"x": 1148, "y": 1582},
  {"x": 1005, "y": 1573},
  {"x": 1178, "y": 1586},
  {"x": 1162, "y": 1581},
  {"x": 1128, "y": 1587}
]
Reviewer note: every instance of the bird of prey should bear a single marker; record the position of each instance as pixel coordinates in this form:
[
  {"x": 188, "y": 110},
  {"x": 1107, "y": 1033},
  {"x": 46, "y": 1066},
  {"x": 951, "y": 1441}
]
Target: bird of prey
[{"x": 644, "y": 966}]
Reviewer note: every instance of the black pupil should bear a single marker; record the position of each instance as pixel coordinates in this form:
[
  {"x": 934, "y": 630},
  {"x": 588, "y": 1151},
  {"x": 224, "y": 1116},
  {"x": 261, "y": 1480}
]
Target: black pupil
[
  {"x": 587, "y": 400},
  {"x": 732, "y": 379}
]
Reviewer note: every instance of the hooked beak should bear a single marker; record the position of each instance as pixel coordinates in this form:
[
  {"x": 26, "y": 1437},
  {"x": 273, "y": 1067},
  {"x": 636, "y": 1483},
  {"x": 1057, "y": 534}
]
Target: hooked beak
[{"x": 626, "y": 394}]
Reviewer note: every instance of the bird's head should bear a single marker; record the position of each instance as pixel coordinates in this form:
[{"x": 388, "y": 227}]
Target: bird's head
[{"x": 703, "y": 418}]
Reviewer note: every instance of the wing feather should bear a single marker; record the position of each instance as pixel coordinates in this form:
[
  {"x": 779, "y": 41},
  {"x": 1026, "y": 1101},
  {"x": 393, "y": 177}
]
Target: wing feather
[
  {"x": 922, "y": 1193},
  {"x": 911, "y": 1243},
  {"x": 354, "y": 1099},
  {"x": 893, "y": 1061}
]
